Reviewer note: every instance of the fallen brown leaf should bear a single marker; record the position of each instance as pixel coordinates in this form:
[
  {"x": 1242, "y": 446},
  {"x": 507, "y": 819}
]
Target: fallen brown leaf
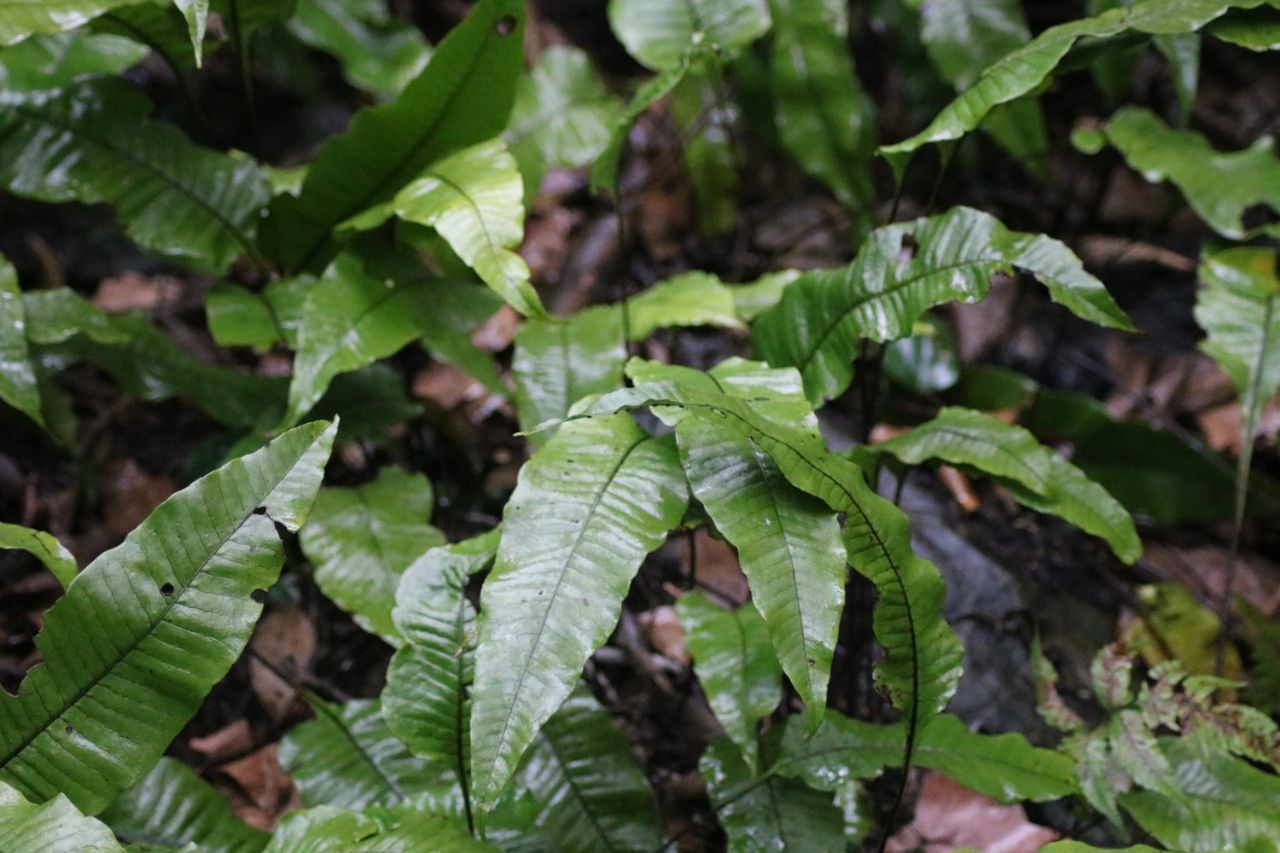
[
  {"x": 662, "y": 629},
  {"x": 268, "y": 790},
  {"x": 233, "y": 739},
  {"x": 949, "y": 815},
  {"x": 286, "y": 639}
]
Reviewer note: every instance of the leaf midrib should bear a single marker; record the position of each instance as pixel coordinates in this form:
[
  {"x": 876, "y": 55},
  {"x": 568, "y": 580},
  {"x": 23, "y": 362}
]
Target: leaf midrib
[
  {"x": 546, "y": 615},
  {"x": 155, "y": 624}
]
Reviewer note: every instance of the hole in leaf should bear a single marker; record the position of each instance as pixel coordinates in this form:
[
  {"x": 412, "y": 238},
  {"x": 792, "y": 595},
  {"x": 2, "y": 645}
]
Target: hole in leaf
[
  {"x": 166, "y": 589},
  {"x": 258, "y": 595},
  {"x": 505, "y": 26},
  {"x": 262, "y": 510},
  {"x": 70, "y": 730},
  {"x": 1258, "y": 215}
]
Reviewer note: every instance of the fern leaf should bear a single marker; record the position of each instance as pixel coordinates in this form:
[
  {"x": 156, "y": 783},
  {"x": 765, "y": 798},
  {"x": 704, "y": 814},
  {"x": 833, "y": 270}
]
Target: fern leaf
[
  {"x": 1039, "y": 477},
  {"x": 1220, "y": 186},
  {"x": 361, "y": 540},
  {"x": 425, "y": 702},
  {"x": 586, "y": 510},
  {"x": 326, "y": 829},
  {"x": 760, "y": 813},
  {"x": 788, "y": 543},
  {"x": 821, "y": 319},
  {"x": 347, "y": 757},
  {"x": 351, "y": 318},
  {"x": 379, "y": 52},
  {"x": 18, "y": 386},
  {"x": 1238, "y": 306},
  {"x": 826, "y": 121},
  {"x": 44, "y": 547},
  {"x": 462, "y": 97},
  {"x": 144, "y": 360},
  {"x": 173, "y": 806},
  {"x": 735, "y": 666},
  {"x": 56, "y": 826},
  {"x": 153, "y": 624},
  {"x": 93, "y": 143},
  {"x": 589, "y": 792},
  {"x": 1005, "y": 767},
  {"x": 923, "y": 657},
  {"x": 22, "y": 18},
  {"x": 1024, "y": 70},
  {"x": 474, "y": 198},
  {"x": 660, "y": 32}
]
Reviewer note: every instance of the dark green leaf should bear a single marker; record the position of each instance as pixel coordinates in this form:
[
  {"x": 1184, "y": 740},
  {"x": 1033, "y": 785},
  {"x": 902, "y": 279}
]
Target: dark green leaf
[
  {"x": 378, "y": 52},
  {"x": 93, "y": 142},
  {"x": 55, "y": 61},
  {"x": 660, "y": 32},
  {"x": 462, "y": 97},
  {"x": 44, "y": 547},
  {"x": 18, "y": 386}
]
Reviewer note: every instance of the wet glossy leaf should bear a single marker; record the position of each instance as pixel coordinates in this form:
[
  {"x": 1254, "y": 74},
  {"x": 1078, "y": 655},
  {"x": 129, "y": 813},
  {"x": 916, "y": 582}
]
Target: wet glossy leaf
[
  {"x": 735, "y": 665},
  {"x": 44, "y": 547},
  {"x": 589, "y": 792},
  {"x": 1041, "y": 478},
  {"x": 902, "y": 270},
  {"x": 93, "y": 143},
  {"x": 326, "y": 829},
  {"x": 758, "y": 814},
  {"x": 475, "y": 199},
  {"x": 55, "y": 826},
  {"x": 55, "y": 61},
  {"x": 361, "y": 540},
  {"x": 923, "y": 657},
  {"x": 660, "y": 32},
  {"x": 175, "y": 807},
  {"x": 426, "y": 700},
  {"x": 586, "y": 510},
  {"x": 347, "y": 757},
  {"x": 1220, "y": 186},
  {"x": 21, "y": 18},
  {"x": 154, "y": 623}
]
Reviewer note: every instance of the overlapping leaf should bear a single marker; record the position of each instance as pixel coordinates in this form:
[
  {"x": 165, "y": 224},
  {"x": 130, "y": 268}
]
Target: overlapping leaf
[
  {"x": 173, "y": 806},
  {"x": 1005, "y": 767},
  {"x": 589, "y": 792},
  {"x": 735, "y": 665},
  {"x": 56, "y": 826},
  {"x": 604, "y": 173},
  {"x": 350, "y": 319},
  {"x": 761, "y": 813},
  {"x": 426, "y": 700},
  {"x": 1223, "y": 802},
  {"x": 362, "y": 539},
  {"x": 1040, "y": 477},
  {"x": 1026, "y": 69},
  {"x": 44, "y": 547},
  {"x": 825, "y": 120},
  {"x": 787, "y": 541},
  {"x": 347, "y": 757},
  {"x": 93, "y": 143},
  {"x": 21, "y": 18},
  {"x": 562, "y": 117},
  {"x": 822, "y": 318},
  {"x": 153, "y": 624},
  {"x": 923, "y": 657},
  {"x": 586, "y": 510},
  {"x": 378, "y": 52},
  {"x": 462, "y": 97},
  {"x": 326, "y": 829},
  {"x": 474, "y": 198}
]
